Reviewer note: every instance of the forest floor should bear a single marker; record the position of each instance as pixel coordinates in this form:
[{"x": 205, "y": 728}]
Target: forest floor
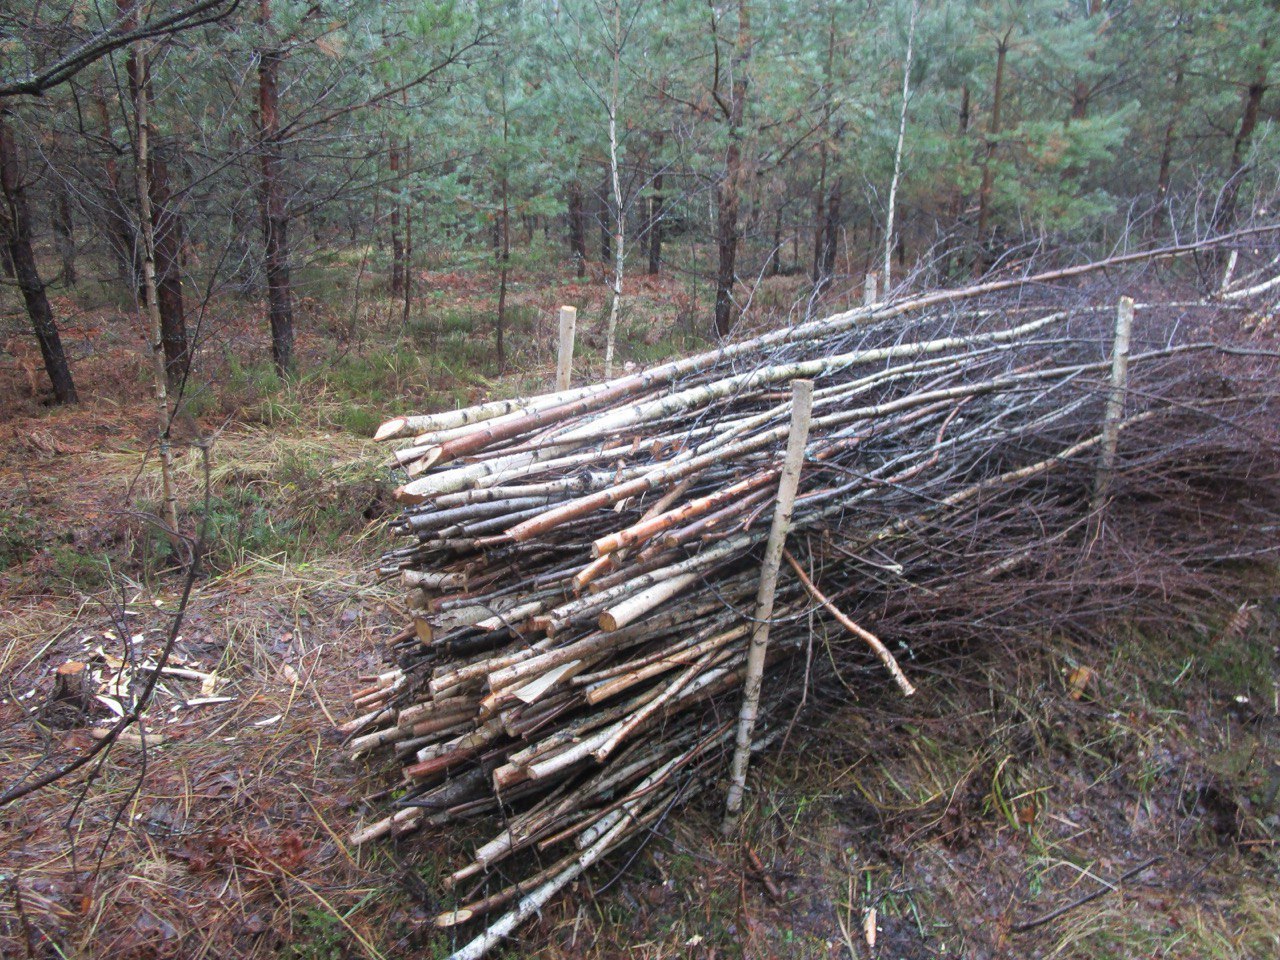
[{"x": 954, "y": 824}]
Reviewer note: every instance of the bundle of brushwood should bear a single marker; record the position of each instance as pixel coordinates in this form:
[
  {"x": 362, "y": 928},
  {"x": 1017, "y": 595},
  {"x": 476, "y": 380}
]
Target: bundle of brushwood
[{"x": 582, "y": 565}]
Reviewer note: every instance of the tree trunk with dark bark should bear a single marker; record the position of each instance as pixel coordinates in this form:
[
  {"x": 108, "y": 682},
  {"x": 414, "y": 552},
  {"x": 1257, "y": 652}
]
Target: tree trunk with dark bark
[
  {"x": 819, "y": 220},
  {"x": 408, "y": 265},
  {"x": 775, "y": 258},
  {"x": 731, "y": 185},
  {"x": 397, "y": 241},
  {"x": 831, "y": 232},
  {"x": 1082, "y": 90},
  {"x": 166, "y": 221},
  {"x": 1225, "y": 216},
  {"x": 116, "y": 209},
  {"x": 64, "y": 232},
  {"x": 139, "y": 86},
  {"x": 605, "y": 220},
  {"x": 982, "y": 259},
  {"x": 504, "y": 262},
  {"x": 1160, "y": 217},
  {"x": 275, "y": 216},
  {"x": 15, "y": 220},
  {"x": 824, "y": 145},
  {"x": 577, "y": 228},
  {"x": 655, "y": 225}
]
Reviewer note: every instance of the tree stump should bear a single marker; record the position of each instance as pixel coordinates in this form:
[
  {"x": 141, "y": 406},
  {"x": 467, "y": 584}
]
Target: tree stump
[{"x": 72, "y": 697}]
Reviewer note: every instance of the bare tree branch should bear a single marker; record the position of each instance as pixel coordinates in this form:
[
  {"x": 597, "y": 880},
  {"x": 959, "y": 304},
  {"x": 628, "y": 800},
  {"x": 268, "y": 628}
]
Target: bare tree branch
[{"x": 119, "y": 33}]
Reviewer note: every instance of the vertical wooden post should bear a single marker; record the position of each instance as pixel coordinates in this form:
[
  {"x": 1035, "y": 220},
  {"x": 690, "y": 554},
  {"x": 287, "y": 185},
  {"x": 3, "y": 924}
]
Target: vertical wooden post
[
  {"x": 801, "y": 406},
  {"x": 869, "y": 291},
  {"x": 564, "y": 360},
  {"x": 1113, "y": 415}
]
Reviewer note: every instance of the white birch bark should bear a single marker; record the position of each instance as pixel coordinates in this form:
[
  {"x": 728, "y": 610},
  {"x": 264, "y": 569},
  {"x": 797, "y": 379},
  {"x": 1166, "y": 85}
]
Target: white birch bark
[
  {"x": 801, "y": 398},
  {"x": 1114, "y": 412},
  {"x": 897, "y": 154},
  {"x": 619, "y": 235},
  {"x": 169, "y": 497}
]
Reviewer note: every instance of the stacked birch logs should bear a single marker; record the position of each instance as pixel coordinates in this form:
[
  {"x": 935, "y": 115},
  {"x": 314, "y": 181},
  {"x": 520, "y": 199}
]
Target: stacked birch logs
[{"x": 582, "y": 564}]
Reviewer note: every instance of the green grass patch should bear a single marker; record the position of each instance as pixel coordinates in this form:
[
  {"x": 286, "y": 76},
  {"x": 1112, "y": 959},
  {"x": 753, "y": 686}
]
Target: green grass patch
[
  {"x": 84, "y": 571},
  {"x": 19, "y": 537}
]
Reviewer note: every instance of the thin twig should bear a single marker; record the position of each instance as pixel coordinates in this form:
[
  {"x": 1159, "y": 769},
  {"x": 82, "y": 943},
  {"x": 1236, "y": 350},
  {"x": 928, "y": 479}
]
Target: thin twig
[{"x": 1087, "y": 898}]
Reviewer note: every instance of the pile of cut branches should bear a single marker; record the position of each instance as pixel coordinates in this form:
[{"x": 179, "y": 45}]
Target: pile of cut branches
[{"x": 583, "y": 565}]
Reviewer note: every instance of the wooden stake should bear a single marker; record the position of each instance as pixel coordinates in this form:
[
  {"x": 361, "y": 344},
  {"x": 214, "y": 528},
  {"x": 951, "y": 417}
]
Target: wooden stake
[
  {"x": 564, "y": 362},
  {"x": 1114, "y": 414},
  {"x": 801, "y": 406}
]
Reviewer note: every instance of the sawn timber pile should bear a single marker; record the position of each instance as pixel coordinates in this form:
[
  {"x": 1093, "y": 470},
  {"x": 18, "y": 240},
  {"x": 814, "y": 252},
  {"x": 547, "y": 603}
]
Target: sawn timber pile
[{"x": 582, "y": 565}]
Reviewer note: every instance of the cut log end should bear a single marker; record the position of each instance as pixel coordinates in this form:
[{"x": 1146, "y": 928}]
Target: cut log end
[
  {"x": 406, "y": 495},
  {"x": 453, "y": 918},
  {"x": 391, "y": 429},
  {"x": 425, "y": 462}
]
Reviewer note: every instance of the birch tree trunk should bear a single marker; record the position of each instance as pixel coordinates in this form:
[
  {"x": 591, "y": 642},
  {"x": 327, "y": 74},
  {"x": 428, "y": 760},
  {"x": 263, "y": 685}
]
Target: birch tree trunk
[
  {"x": 164, "y": 221},
  {"x": 151, "y": 301},
  {"x": 897, "y": 153},
  {"x": 619, "y": 210},
  {"x": 1113, "y": 415}
]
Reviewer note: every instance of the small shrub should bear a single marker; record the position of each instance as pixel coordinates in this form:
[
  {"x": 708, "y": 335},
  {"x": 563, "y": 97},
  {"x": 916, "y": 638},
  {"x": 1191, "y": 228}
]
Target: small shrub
[
  {"x": 358, "y": 420},
  {"x": 19, "y": 538},
  {"x": 241, "y": 524},
  {"x": 85, "y": 572},
  {"x": 249, "y": 380},
  {"x": 317, "y": 935}
]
